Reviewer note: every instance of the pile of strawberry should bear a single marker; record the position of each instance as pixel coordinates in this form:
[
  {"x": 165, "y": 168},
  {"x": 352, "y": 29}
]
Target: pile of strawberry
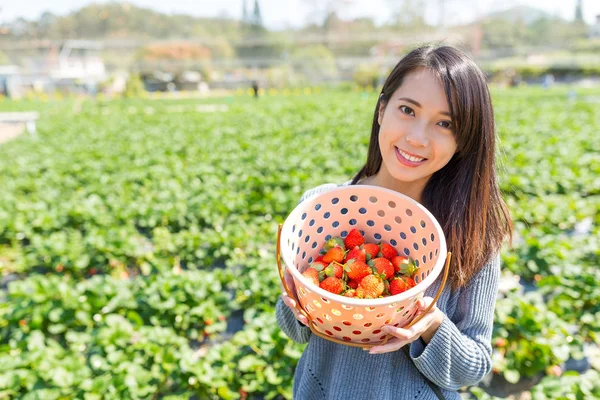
[{"x": 352, "y": 268}]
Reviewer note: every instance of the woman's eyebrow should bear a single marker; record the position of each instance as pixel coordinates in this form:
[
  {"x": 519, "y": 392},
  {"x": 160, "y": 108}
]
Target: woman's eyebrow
[{"x": 416, "y": 103}]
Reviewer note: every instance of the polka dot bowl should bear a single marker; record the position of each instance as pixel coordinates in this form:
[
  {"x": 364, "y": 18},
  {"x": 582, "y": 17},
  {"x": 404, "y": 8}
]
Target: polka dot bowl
[{"x": 381, "y": 215}]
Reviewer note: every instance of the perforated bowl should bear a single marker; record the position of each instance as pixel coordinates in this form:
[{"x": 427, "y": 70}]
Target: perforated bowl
[{"x": 381, "y": 215}]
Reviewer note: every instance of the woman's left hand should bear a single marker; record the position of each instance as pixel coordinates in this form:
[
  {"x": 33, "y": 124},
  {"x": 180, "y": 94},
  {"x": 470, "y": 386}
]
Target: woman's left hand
[{"x": 425, "y": 328}]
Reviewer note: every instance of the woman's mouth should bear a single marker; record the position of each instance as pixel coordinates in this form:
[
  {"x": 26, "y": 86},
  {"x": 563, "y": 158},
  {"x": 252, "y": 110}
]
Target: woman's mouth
[{"x": 407, "y": 159}]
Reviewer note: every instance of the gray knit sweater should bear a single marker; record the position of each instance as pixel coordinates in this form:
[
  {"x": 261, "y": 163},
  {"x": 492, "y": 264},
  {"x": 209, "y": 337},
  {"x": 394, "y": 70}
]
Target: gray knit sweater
[{"x": 459, "y": 353}]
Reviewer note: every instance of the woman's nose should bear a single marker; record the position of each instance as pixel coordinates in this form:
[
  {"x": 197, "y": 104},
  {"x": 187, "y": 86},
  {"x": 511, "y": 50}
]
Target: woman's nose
[{"x": 418, "y": 137}]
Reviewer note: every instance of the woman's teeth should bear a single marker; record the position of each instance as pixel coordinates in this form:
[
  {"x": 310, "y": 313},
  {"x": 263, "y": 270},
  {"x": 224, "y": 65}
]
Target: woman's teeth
[{"x": 409, "y": 157}]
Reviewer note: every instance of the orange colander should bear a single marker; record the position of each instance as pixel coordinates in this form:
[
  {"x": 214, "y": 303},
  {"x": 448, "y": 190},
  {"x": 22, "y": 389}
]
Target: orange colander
[{"x": 381, "y": 215}]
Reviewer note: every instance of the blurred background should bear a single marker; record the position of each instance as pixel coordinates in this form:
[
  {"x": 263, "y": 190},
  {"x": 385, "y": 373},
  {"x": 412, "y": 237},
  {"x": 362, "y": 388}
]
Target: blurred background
[
  {"x": 149, "y": 150},
  {"x": 85, "y": 47}
]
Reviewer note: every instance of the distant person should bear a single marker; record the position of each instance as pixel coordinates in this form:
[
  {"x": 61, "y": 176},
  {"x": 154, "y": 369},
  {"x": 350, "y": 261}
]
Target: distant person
[
  {"x": 433, "y": 139},
  {"x": 548, "y": 81},
  {"x": 515, "y": 81},
  {"x": 255, "y": 88}
]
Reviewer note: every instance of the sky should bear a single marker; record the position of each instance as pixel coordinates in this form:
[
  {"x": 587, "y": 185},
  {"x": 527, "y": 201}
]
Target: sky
[{"x": 278, "y": 14}]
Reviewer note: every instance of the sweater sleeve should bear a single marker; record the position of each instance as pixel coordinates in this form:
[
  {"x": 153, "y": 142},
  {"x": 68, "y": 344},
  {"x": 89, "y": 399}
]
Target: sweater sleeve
[
  {"x": 288, "y": 323},
  {"x": 286, "y": 320},
  {"x": 459, "y": 353}
]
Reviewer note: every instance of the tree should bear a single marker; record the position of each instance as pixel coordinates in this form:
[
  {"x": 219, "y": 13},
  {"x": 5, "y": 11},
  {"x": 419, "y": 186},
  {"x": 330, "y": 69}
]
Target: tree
[
  {"x": 244, "y": 12},
  {"x": 579, "y": 11},
  {"x": 256, "y": 16}
]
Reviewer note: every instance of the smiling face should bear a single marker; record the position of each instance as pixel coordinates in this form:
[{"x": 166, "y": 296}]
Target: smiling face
[{"x": 416, "y": 136}]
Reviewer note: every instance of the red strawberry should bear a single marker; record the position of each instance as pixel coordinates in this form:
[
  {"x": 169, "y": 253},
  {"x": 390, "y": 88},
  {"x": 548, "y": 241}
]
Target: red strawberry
[
  {"x": 312, "y": 275},
  {"x": 388, "y": 251},
  {"x": 334, "y": 269},
  {"x": 319, "y": 258},
  {"x": 386, "y": 288},
  {"x": 404, "y": 265},
  {"x": 354, "y": 238},
  {"x": 383, "y": 266},
  {"x": 357, "y": 269},
  {"x": 372, "y": 250},
  {"x": 333, "y": 285},
  {"x": 370, "y": 287},
  {"x": 356, "y": 253},
  {"x": 334, "y": 254},
  {"x": 353, "y": 283},
  {"x": 401, "y": 284}
]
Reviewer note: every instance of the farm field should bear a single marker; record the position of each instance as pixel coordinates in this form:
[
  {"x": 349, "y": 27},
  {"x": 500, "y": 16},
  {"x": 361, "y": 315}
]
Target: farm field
[{"x": 137, "y": 242}]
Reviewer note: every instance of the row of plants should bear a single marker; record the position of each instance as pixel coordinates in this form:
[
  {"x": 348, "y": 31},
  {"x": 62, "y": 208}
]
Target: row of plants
[{"x": 130, "y": 241}]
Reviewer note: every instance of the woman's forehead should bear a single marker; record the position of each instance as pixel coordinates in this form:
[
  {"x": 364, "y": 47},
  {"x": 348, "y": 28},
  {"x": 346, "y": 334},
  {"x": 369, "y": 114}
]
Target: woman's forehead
[{"x": 423, "y": 86}]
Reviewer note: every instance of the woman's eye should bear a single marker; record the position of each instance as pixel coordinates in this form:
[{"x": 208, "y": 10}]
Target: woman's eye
[
  {"x": 407, "y": 110},
  {"x": 446, "y": 124}
]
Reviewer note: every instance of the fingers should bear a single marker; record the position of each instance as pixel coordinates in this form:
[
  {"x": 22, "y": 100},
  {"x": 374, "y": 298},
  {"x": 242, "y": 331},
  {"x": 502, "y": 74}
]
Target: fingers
[
  {"x": 392, "y": 345},
  {"x": 302, "y": 319},
  {"x": 424, "y": 302},
  {"x": 291, "y": 303},
  {"x": 400, "y": 333},
  {"x": 288, "y": 300},
  {"x": 289, "y": 281},
  {"x": 288, "y": 277}
]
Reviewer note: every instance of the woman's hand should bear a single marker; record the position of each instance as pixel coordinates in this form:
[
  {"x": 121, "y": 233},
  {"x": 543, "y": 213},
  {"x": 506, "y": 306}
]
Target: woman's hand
[
  {"x": 291, "y": 302},
  {"x": 425, "y": 328}
]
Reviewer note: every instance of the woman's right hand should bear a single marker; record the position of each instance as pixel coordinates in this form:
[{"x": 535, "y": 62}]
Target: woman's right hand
[{"x": 289, "y": 301}]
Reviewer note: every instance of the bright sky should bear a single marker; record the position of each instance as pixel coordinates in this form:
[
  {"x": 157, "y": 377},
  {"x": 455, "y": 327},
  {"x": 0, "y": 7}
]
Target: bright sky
[{"x": 281, "y": 13}]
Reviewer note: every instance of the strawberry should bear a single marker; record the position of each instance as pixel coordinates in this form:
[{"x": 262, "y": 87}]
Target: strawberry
[
  {"x": 353, "y": 239},
  {"x": 383, "y": 266},
  {"x": 357, "y": 269},
  {"x": 401, "y": 284},
  {"x": 372, "y": 250},
  {"x": 356, "y": 253},
  {"x": 387, "y": 251},
  {"x": 333, "y": 285},
  {"x": 318, "y": 265},
  {"x": 370, "y": 287},
  {"x": 319, "y": 258},
  {"x": 333, "y": 242},
  {"x": 334, "y": 269},
  {"x": 334, "y": 254},
  {"x": 404, "y": 265},
  {"x": 353, "y": 283},
  {"x": 386, "y": 288},
  {"x": 312, "y": 275}
]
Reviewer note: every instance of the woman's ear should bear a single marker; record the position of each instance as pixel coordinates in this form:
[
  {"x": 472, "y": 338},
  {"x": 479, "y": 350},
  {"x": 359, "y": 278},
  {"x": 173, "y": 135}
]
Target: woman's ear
[{"x": 381, "y": 111}]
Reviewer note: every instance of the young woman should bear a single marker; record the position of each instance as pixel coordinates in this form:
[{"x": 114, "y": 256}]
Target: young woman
[{"x": 433, "y": 139}]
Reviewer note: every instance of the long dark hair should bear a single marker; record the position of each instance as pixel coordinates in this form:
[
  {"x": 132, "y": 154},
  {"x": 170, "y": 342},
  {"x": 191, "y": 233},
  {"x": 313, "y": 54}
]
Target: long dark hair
[{"x": 463, "y": 195}]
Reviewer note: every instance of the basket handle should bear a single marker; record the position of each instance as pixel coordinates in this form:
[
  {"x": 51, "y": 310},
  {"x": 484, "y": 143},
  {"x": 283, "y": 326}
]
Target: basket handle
[
  {"x": 284, "y": 283},
  {"x": 439, "y": 292}
]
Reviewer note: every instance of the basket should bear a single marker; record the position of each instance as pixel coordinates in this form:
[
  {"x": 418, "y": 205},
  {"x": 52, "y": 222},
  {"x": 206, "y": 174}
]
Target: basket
[{"x": 381, "y": 215}]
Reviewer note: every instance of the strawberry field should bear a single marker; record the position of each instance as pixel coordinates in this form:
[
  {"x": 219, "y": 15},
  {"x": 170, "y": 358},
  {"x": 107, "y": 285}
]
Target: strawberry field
[{"x": 137, "y": 242}]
